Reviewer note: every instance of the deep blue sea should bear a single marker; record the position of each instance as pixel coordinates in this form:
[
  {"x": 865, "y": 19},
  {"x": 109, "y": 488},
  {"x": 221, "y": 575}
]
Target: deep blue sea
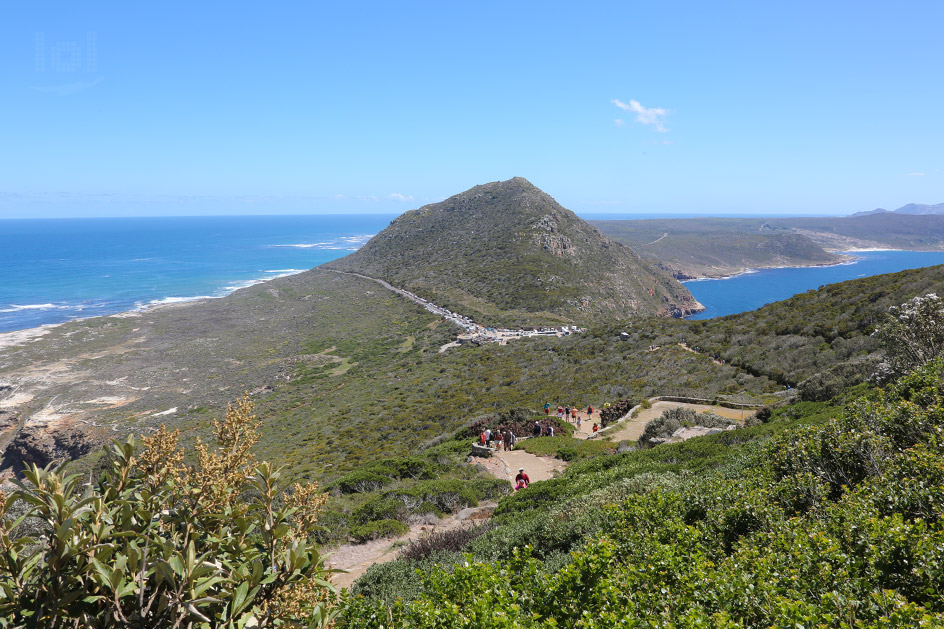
[
  {"x": 54, "y": 270},
  {"x": 749, "y": 291}
]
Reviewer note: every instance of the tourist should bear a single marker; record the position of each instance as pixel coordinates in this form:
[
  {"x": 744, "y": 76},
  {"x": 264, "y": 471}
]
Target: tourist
[
  {"x": 595, "y": 427},
  {"x": 537, "y": 429},
  {"x": 547, "y": 408},
  {"x": 567, "y": 412},
  {"x": 578, "y": 423},
  {"x": 590, "y": 411},
  {"x": 521, "y": 480},
  {"x": 560, "y": 412},
  {"x": 482, "y": 438},
  {"x": 488, "y": 437}
]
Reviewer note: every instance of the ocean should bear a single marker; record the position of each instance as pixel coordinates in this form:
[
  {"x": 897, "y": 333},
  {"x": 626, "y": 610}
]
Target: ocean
[
  {"x": 749, "y": 291},
  {"x": 55, "y": 270}
]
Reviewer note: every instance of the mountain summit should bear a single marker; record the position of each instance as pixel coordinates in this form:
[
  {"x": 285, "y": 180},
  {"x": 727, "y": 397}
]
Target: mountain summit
[{"x": 506, "y": 252}]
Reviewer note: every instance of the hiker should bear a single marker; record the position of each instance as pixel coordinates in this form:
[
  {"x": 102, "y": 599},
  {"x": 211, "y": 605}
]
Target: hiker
[
  {"x": 560, "y": 412},
  {"x": 578, "y": 423},
  {"x": 590, "y": 410},
  {"x": 595, "y": 427},
  {"x": 567, "y": 412},
  {"x": 499, "y": 441},
  {"x": 488, "y": 437},
  {"x": 537, "y": 429},
  {"x": 482, "y": 439},
  {"x": 547, "y": 408},
  {"x": 521, "y": 480}
]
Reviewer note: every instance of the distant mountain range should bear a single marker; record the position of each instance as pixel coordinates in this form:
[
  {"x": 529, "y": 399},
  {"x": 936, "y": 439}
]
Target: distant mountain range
[{"x": 911, "y": 208}]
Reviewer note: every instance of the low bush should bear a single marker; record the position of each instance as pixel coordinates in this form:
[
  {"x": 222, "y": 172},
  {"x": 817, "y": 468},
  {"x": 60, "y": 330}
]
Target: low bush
[
  {"x": 383, "y": 507},
  {"x": 452, "y": 540},
  {"x": 567, "y": 453},
  {"x": 378, "y": 529},
  {"x": 361, "y": 481},
  {"x": 566, "y": 448},
  {"x": 672, "y": 419}
]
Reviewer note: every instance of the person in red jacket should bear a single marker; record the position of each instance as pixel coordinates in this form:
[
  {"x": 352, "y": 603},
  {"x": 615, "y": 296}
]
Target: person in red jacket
[{"x": 521, "y": 480}]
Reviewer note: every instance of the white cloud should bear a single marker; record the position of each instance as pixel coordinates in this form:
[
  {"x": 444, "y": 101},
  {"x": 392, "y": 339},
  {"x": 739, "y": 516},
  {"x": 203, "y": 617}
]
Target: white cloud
[
  {"x": 619, "y": 122},
  {"x": 645, "y": 115},
  {"x": 401, "y": 197},
  {"x": 916, "y": 174}
]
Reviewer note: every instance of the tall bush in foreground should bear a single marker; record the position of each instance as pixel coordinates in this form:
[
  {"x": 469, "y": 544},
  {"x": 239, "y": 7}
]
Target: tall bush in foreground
[
  {"x": 160, "y": 543},
  {"x": 912, "y": 336}
]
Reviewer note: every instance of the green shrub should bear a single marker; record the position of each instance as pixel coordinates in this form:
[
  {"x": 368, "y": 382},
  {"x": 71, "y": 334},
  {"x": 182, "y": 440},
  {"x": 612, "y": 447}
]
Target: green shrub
[
  {"x": 672, "y": 419},
  {"x": 834, "y": 523},
  {"x": 158, "y": 543},
  {"x": 361, "y": 481},
  {"x": 378, "y": 529},
  {"x": 383, "y": 507},
  {"x": 567, "y": 453}
]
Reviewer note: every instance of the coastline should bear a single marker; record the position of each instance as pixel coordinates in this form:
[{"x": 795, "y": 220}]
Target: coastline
[
  {"x": 851, "y": 259},
  {"x": 14, "y": 338}
]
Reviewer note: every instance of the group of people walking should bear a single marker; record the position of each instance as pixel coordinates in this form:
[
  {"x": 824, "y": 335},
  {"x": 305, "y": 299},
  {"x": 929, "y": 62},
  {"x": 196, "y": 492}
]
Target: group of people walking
[
  {"x": 570, "y": 413},
  {"x": 502, "y": 439}
]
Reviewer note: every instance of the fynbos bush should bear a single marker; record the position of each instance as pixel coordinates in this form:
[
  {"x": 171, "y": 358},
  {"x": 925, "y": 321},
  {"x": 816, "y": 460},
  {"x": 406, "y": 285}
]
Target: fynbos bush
[{"x": 159, "y": 543}]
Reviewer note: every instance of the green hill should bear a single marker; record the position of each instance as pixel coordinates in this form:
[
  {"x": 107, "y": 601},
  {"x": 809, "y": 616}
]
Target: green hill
[{"x": 507, "y": 253}]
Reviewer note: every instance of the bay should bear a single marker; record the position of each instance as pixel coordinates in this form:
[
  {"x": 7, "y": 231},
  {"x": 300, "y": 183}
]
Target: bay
[{"x": 749, "y": 291}]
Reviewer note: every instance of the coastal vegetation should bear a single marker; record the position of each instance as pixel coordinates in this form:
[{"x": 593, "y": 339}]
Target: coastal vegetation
[
  {"x": 158, "y": 542},
  {"x": 344, "y": 387},
  {"x": 745, "y": 527},
  {"x": 825, "y": 515}
]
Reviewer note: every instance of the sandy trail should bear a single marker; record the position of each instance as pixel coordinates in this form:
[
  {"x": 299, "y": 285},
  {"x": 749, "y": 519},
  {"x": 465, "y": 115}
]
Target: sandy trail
[
  {"x": 632, "y": 428},
  {"x": 506, "y": 465},
  {"x": 689, "y": 349},
  {"x": 357, "y": 558}
]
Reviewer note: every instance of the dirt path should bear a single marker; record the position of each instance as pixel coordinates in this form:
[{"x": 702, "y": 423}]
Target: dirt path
[
  {"x": 506, "y": 465},
  {"x": 657, "y": 239},
  {"x": 357, "y": 558},
  {"x": 689, "y": 349},
  {"x": 632, "y": 428}
]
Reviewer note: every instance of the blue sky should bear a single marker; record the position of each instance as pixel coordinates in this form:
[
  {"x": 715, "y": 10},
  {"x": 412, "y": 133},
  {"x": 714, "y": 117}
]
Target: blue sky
[{"x": 251, "y": 108}]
